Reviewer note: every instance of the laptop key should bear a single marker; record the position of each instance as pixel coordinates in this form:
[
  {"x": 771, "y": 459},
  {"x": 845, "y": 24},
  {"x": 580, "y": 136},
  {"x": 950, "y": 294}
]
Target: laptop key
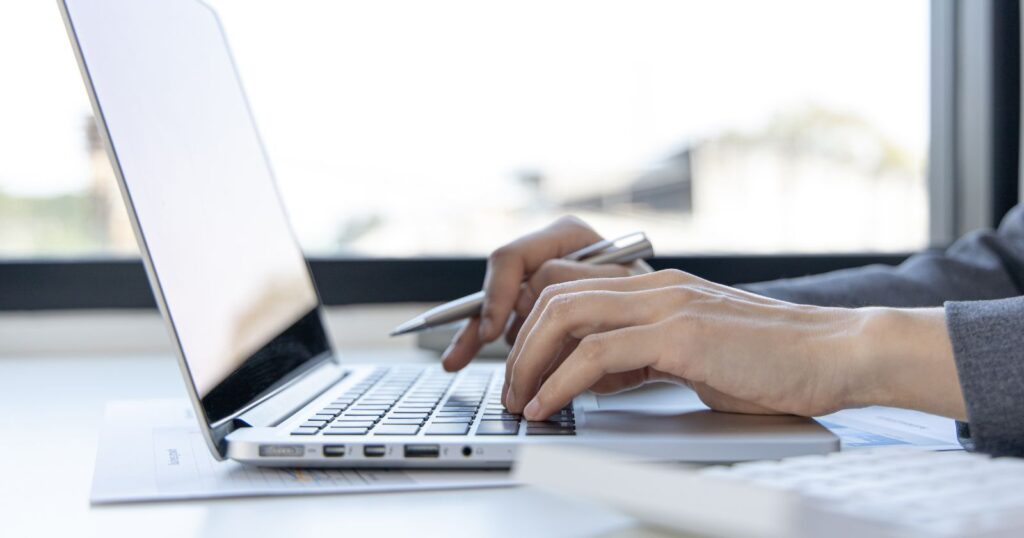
[
  {"x": 447, "y": 429},
  {"x": 452, "y": 420},
  {"x": 346, "y": 431},
  {"x": 404, "y": 421},
  {"x": 314, "y": 424},
  {"x": 305, "y": 431},
  {"x": 422, "y": 415},
  {"x": 365, "y": 413},
  {"x": 550, "y": 431},
  {"x": 353, "y": 424},
  {"x": 396, "y": 430},
  {"x": 497, "y": 427},
  {"x": 550, "y": 424},
  {"x": 343, "y": 419}
]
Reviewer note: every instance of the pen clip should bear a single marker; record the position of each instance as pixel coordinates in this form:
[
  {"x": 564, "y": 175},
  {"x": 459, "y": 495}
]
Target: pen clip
[{"x": 607, "y": 245}]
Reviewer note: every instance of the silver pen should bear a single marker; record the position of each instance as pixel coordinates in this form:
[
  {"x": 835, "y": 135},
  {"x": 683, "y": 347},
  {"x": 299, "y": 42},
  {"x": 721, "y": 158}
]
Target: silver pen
[{"x": 623, "y": 250}]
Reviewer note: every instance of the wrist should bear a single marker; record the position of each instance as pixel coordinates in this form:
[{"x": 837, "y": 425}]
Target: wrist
[{"x": 903, "y": 358}]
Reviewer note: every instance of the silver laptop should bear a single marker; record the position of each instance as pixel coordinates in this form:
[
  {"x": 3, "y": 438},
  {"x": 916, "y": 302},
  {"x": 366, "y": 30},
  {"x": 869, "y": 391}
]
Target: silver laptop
[{"x": 235, "y": 290}]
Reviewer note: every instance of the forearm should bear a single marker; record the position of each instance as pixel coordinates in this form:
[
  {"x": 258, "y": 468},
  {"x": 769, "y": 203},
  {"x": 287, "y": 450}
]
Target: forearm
[{"x": 904, "y": 359}]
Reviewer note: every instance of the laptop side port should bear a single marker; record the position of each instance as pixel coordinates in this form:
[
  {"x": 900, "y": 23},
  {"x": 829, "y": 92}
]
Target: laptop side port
[
  {"x": 374, "y": 451},
  {"x": 334, "y": 451},
  {"x": 422, "y": 451}
]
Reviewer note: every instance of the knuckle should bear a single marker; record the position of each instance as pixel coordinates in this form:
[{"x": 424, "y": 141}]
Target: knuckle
[
  {"x": 672, "y": 275},
  {"x": 551, "y": 292},
  {"x": 571, "y": 220},
  {"x": 548, "y": 273},
  {"x": 562, "y": 305},
  {"x": 680, "y": 293},
  {"x": 592, "y": 347},
  {"x": 502, "y": 253}
]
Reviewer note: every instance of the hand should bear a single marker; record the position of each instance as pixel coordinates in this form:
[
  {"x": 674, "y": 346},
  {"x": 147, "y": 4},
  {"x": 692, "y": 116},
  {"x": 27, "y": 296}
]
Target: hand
[
  {"x": 741, "y": 352},
  {"x": 516, "y": 275}
]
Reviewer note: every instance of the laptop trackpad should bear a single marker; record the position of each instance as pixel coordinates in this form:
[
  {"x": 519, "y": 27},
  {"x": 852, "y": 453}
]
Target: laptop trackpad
[{"x": 664, "y": 409}]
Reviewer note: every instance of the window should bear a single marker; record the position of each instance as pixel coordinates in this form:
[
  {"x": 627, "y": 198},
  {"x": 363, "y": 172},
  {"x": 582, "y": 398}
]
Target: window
[{"x": 443, "y": 128}]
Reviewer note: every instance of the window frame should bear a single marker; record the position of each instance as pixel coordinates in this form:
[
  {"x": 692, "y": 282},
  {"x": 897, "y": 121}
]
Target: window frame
[{"x": 972, "y": 181}]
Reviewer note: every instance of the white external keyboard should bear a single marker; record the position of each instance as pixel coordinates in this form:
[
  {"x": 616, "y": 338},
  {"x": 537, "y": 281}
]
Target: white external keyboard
[
  {"x": 883, "y": 492},
  {"x": 897, "y": 491}
]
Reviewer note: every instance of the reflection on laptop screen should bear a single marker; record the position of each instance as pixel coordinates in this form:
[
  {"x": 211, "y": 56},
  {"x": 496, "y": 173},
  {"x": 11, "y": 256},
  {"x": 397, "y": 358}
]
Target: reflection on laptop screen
[{"x": 234, "y": 281}]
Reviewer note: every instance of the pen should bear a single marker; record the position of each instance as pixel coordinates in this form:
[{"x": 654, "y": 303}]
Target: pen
[{"x": 623, "y": 250}]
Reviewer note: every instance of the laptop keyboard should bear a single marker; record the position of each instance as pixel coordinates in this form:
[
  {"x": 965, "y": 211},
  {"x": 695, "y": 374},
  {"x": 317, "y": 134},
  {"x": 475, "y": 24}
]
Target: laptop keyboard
[{"x": 428, "y": 401}]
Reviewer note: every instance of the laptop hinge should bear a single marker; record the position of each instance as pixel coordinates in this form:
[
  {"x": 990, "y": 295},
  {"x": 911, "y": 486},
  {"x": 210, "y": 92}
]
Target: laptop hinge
[{"x": 276, "y": 409}]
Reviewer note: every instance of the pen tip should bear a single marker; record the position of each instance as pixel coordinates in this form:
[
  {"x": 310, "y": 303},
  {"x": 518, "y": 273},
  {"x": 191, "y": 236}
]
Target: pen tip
[{"x": 407, "y": 327}]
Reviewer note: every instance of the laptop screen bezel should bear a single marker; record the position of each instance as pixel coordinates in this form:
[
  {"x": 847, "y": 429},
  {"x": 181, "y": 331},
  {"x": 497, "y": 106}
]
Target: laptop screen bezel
[{"x": 217, "y": 421}]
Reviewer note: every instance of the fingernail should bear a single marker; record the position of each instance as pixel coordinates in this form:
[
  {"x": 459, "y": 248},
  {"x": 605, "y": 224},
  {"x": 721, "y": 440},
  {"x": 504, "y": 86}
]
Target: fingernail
[
  {"x": 532, "y": 409},
  {"x": 485, "y": 329},
  {"x": 510, "y": 398}
]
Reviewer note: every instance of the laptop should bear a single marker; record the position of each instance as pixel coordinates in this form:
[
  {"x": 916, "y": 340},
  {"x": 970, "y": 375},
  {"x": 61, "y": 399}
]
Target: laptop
[{"x": 235, "y": 290}]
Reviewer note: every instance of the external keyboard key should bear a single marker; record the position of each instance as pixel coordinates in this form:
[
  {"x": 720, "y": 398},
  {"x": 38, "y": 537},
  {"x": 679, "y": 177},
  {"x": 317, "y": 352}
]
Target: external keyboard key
[
  {"x": 305, "y": 431},
  {"x": 497, "y": 427},
  {"x": 447, "y": 429},
  {"x": 396, "y": 430},
  {"x": 314, "y": 424},
  {"x": 353, "y": 424},
  {"x": 346, "y": 431},
  {"x": 404, "y": 421}
]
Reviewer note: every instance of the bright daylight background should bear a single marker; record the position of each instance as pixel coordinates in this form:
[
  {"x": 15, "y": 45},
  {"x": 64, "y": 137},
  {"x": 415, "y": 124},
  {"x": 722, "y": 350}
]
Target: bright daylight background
[{"x": 406, "y": 128}]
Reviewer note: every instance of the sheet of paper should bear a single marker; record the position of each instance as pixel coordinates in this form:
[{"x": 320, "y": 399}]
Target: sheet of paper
[
  {"x": 152, "y": 450},
  {"x": 887, "y": 426}
]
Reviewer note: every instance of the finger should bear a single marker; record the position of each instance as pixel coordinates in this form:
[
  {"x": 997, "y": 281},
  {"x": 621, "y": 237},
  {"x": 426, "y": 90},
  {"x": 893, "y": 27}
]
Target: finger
[
  {"x": 551, "y": 272},
  {"x": 522, "y": 309},
  {"x": 564, "y": 351},
  {"x": 463, "y": 348},
  {"x": 510, "y": 264},
  {"x": 557, "y": 270},
  {"x": 575, "y": 316},
  {"x": 621, "y": 350},
  {"x": 627, "y": 283},
  {"x": 639, "y": 282}
]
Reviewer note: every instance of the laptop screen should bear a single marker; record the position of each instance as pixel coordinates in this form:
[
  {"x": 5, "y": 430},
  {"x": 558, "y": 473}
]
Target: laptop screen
[{"x": 233, "y": 280}]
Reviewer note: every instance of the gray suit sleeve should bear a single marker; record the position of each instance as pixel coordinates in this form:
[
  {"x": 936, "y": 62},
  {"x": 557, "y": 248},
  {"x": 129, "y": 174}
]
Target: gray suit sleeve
[
  {"x": 980, "y": 266},
  {"x": 979, "y": 280}
]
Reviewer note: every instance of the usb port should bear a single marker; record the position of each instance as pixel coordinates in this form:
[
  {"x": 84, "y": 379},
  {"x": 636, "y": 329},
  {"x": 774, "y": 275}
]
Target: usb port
[
  {"x": 334, "y": 451},
  {"x": 422, "y": 451},
  {"x": 373, "y": 451}
]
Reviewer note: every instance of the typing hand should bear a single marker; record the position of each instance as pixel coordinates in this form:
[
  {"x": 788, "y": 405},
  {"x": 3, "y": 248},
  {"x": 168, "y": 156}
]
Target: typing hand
[
  {"x": 741, "y": 352},
  {"x": 516, "y": 275}
]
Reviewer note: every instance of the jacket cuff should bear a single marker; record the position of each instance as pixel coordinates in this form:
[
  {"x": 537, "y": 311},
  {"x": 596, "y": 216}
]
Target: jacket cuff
[{"x": 988, "y": 347}]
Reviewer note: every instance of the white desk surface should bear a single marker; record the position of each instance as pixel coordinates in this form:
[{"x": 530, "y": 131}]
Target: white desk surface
[{"x": 51, "y": 409}]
